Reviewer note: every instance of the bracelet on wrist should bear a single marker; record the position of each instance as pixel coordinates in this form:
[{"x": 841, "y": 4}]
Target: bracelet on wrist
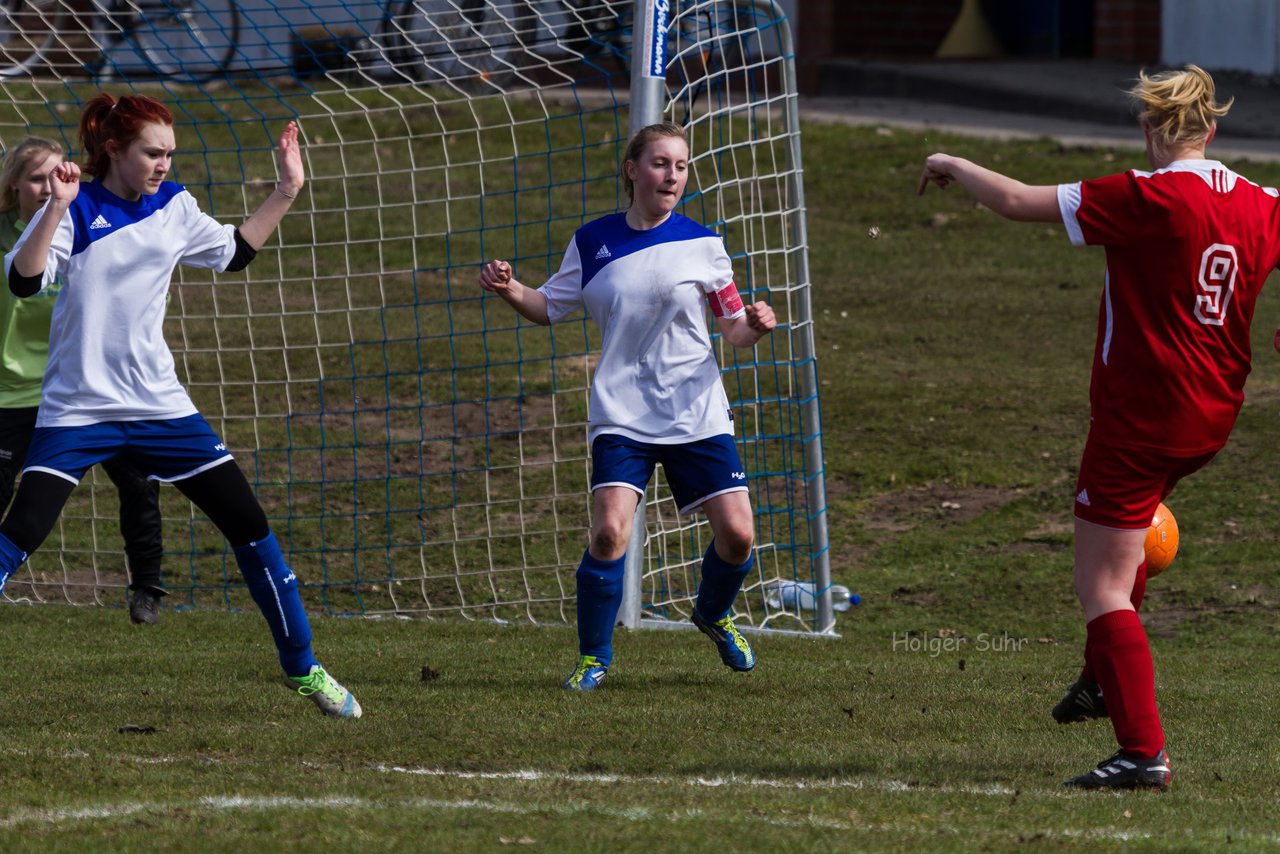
[{"x": 289, "y": 196}]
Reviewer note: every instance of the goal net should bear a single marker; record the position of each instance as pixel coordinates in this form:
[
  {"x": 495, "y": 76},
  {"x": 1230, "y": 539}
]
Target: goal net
[{"x": 419, "y": 450}]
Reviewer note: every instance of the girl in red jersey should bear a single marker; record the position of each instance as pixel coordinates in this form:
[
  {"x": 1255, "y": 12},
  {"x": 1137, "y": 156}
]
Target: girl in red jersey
[{"x": 1188, "y": 247}]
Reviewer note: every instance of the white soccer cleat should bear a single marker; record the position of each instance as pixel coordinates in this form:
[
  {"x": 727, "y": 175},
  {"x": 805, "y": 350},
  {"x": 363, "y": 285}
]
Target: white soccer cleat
[{"x": 326, "y": 692}]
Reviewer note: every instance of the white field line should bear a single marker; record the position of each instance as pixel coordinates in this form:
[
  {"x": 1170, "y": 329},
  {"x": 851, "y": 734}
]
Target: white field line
[
  {"x": 533, "y": 776},
  {"x": 234, "y": 803},
  {"x": 536, "y": 776},
  {"x": 238, "y": 803},
  {"x": 571, "y": 808}
]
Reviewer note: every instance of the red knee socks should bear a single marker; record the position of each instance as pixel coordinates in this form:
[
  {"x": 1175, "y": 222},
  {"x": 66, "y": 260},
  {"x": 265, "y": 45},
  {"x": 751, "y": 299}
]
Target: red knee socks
[
  {"x": 1139, "y": 590},
  {"x": 1121, "y": 658}
]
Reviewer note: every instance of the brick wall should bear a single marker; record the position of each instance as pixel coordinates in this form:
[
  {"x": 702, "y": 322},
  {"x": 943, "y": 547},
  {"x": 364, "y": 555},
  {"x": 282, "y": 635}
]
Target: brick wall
[
  {"x": 871, "y": 28},
  {"x": 1127, "y": 30},
  {"x": 1122, "y": 29}
]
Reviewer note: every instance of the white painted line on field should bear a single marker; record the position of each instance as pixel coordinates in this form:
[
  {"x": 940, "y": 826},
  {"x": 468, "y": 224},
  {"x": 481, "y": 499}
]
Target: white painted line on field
[
  {"x": 242, "y": 803},
  {"x": 233, "y": 803},
  {"x": 696, "y": 782},
  {"x": 536, "y": 776},
  {"x": 637, "y": 814}
]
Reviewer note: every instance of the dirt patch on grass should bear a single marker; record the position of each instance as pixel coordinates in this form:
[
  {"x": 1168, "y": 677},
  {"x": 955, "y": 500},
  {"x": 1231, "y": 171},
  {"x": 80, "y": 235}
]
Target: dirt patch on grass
[
  {"x": 935, "y": 504},
  {"x": 1165, "y": 611},
  {"x": 910, "y": 596},
  {"x": 838, "y": 487},
  {"x": 848, "y": 558}
]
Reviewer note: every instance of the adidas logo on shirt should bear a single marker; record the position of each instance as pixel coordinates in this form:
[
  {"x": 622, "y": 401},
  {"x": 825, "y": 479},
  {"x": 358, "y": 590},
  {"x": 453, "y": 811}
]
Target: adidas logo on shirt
[
  {"x": 603, "y": 253},
  {"x": 1083, "y": 497},
  {"x": 100, "y": 222}
]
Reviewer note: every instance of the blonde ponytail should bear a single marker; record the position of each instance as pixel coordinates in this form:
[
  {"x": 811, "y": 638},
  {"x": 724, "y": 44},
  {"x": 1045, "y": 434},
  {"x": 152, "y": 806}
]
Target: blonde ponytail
[{"x": 1177, "y": 106}]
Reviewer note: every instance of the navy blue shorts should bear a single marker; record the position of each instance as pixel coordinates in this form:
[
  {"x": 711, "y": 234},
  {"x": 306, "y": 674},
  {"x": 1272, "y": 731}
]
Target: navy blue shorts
[
  {"x": 695, "y": 471},
  {"x": 166, "y": 450}
]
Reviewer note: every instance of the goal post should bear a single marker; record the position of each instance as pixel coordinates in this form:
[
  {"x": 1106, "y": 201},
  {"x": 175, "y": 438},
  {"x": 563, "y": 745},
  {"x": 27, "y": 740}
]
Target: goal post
[
  {"x": 724, "y": 59},
  {"x": 419, "y": 451}
]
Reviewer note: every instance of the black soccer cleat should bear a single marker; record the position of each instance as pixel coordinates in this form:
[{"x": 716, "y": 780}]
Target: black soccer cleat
[
  {"x": 1124, "y": 770},
  {"x": 1083, "y": 702},
  {"x": 144, "y": 607}
]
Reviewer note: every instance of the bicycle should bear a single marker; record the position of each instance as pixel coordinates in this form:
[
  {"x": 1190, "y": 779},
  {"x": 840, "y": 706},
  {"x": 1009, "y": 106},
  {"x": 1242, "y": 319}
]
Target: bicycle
[
  {"x": 718, "y": 48},
  {"x": 187, "y": 40},
  {"x": 480, "y": 41},
  {"x": 713, "y": 46}
]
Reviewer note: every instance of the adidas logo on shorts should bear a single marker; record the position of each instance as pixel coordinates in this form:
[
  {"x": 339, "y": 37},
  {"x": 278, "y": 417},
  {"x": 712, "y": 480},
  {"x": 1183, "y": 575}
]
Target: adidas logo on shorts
[{"x": 1083, "y": 497}]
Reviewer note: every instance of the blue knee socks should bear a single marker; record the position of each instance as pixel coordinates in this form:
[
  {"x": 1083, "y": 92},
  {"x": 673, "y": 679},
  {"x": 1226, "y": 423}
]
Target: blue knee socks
[
  {"x": 11, "y": 557},
  {"x": 274, "y": 588},
  {"x": 721, "y": 582},
  {"x": 599, "y": 598}
]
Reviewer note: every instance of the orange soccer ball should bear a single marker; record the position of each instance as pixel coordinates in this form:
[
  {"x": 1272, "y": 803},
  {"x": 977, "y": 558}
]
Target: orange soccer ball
[{"x": 1162, "y": 541}]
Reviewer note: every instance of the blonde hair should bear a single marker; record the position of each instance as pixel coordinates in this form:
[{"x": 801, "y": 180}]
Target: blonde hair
[
  {"x": 17, "y": 161},
  {"x": 1177, "y": 106},
  {"x": 642, "y": 138}
]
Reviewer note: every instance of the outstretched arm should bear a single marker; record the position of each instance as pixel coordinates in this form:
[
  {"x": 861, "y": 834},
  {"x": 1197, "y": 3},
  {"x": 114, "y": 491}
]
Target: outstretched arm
[
  {"x": 257, "y": 228},
  {"x": 1002, "y": 194},
  {"x": 497, "y": 277},
  {"x": 756, "y": 321}
]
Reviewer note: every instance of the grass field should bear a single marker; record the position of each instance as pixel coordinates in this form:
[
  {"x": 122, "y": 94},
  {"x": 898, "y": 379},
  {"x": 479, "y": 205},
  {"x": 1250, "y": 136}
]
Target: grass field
[{"x": 954, "y": 360}]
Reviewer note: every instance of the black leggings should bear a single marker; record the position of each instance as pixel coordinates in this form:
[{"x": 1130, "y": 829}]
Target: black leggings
[
  {"x": 222, "y": 493},
  {"x": 140, "y": 522}
]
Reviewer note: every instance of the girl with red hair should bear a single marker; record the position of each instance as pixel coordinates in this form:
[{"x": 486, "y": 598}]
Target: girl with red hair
[{"x": 111, "y": 387}]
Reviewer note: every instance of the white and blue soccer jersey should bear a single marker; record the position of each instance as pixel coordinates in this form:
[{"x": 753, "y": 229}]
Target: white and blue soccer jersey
[
  {"x": 657, "y": 380},
  {"x": 108, "y": 360}
]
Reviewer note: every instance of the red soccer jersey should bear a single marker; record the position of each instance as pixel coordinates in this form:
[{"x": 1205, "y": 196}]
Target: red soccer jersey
[{"x": 1188, "y": 249}]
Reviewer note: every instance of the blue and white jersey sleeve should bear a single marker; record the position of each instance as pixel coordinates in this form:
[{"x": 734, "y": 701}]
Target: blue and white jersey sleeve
[
  {"x": 719, "y": 278},
  {"x": 210, "y": 244},
  {"x": 563, "y": 291}
]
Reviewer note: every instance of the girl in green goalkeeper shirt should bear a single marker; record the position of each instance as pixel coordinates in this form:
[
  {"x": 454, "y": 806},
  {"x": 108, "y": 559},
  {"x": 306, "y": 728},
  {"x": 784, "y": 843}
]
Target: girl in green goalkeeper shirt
[{"x": 24, "y": 355}]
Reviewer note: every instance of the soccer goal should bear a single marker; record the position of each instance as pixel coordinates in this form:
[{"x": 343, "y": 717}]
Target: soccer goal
[{"x": 420, "y": 452}]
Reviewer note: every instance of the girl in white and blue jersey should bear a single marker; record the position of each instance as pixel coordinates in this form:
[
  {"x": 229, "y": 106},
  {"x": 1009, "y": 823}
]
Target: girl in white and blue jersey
[
  {"x": 110, "y": 387},
  {"x": 24, "y": 355},
  {"x": 646, "y": 277}
]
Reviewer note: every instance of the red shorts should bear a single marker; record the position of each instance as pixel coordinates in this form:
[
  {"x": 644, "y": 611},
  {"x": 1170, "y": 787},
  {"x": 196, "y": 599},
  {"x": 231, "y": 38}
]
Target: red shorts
[{"x": 1121, "y": 487}]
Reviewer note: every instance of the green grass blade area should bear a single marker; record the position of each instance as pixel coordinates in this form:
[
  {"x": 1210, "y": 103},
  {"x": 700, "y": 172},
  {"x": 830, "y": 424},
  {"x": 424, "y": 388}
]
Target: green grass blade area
[
  {"x": 954, "y": 355},
  {"x": 880, "y": 748}
]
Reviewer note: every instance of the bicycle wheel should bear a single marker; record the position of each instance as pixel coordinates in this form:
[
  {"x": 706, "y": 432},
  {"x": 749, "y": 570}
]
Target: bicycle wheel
[
  {"x": 29, "y": 34},
  {"x": 720, "y": 50},
  {"x": 189, "y": 40},
  {"x": 464, "y": 42},
  {"x": 605, "y": 28}
]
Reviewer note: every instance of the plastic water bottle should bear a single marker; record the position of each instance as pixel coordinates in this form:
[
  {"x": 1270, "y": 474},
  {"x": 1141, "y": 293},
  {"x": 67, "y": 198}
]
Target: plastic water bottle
[{"x": 800, "y": 595}]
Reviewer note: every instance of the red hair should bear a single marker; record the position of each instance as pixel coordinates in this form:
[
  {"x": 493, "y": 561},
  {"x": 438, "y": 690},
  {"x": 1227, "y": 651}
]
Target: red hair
[{"x": 107, "y": 120}]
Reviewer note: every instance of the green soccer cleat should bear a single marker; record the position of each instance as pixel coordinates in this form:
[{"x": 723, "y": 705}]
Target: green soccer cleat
[
  {"x": 587, "y": 676},
  {"x": 326, "y": 693},
  {"x": 735, "y": 652}
]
